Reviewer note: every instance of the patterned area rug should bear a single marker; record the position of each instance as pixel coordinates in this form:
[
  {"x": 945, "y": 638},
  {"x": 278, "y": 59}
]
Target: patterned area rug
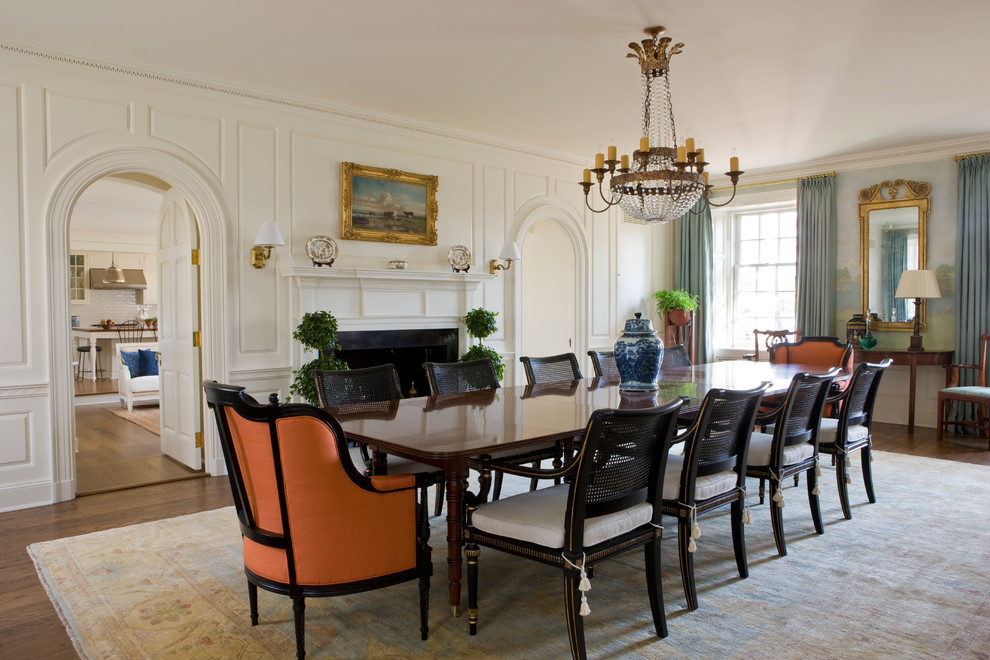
[
  {"x": 906, "y": 577},
  {"x": 147, "y": 417}
]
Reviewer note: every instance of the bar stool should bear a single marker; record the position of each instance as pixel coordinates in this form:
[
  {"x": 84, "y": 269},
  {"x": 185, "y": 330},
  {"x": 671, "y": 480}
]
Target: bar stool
[{"x": 83, "y": 362}]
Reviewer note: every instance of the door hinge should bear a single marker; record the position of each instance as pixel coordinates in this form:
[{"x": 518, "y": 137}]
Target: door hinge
[
  {"x": 199, "y": 440},
  {"x": 197, "y": 339},
  {"x": 195, "y": 257}
]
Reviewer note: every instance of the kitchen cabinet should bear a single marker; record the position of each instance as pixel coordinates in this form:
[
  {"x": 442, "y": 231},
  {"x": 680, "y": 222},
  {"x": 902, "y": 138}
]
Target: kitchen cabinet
[{"x": 145, "y": 261}]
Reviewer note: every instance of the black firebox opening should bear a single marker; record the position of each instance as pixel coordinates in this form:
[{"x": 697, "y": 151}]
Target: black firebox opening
[{"x": 406, "y": 349}]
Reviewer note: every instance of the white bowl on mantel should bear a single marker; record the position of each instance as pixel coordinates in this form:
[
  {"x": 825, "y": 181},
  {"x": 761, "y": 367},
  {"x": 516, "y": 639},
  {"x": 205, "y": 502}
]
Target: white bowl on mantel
[{"x": 397, "y": 264}]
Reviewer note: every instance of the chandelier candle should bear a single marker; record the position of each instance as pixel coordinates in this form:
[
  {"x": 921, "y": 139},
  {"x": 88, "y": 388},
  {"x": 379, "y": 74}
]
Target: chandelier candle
[{"x": 665, "y": 180}]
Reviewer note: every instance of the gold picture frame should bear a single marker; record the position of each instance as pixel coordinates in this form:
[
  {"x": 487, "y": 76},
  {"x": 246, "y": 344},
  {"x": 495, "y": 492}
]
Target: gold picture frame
[{"x": 387, "y": 206}]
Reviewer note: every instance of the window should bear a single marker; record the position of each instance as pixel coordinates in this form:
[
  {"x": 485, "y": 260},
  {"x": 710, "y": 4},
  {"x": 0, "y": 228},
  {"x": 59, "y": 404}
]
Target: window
[
  {"x": 755, "y": 273},
  {"x": 77, "y": 277}
]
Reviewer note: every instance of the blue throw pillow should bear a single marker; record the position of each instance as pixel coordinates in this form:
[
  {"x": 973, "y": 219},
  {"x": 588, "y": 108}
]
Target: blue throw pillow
[
  {"x": 132, "y": 361},
  {"x": 149, "y": 363}
]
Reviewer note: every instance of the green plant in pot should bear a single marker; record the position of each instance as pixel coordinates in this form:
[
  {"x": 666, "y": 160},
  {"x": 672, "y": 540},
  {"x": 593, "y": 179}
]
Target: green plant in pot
[
  {"x": 675, "y": 305},
  {"x": 317, "y": 331},
  {"x": 480, "y": 323}
]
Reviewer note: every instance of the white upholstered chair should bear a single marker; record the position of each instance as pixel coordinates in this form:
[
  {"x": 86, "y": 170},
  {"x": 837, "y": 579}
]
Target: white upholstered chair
[{"x": 139, "y": 388}]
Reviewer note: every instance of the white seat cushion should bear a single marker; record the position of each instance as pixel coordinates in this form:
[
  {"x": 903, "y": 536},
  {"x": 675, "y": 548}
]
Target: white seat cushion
[
  {"x": 704, "y": 487},
  {"x": 143, "y": 384},
  {"x": 538, "y": 517},
  {"x": 831, "y": 426},
  {"x": 759, "y": 450}
]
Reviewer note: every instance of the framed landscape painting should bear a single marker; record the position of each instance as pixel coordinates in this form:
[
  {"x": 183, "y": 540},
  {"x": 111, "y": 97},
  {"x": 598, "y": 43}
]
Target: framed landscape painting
[{"x": 387, "y": 206}]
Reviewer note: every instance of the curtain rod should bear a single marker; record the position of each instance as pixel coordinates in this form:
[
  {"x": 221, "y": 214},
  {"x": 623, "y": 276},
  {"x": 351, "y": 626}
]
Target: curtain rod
[
  {"x": 775, "y": 183},
  {"x": 959, "y": 158}
]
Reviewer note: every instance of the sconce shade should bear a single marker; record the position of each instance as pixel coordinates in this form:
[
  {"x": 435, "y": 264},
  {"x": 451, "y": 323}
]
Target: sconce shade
[
  {"x": 510, "y": 251},
  {"x": 268, "y": 235},
  {"x": 918, "y": 284}
]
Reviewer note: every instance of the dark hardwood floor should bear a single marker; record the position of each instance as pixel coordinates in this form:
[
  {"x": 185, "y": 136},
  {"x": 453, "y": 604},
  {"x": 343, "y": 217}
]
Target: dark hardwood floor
[
  {"x": 115, "y": 453},
  {"x": 30, "y": 628}
]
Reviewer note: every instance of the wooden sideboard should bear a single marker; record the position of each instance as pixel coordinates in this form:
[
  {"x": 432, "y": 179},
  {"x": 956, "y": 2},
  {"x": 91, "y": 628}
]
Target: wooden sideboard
[{"x": 906, "y": 358}]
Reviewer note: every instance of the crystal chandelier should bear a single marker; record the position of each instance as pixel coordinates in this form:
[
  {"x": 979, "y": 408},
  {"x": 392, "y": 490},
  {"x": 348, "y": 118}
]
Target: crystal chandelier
[{"x": 665, "y": 180}]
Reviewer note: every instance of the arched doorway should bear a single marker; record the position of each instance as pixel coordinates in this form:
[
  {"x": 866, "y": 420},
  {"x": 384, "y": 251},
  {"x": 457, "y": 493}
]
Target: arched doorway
[{"x": 205, "y": 202}]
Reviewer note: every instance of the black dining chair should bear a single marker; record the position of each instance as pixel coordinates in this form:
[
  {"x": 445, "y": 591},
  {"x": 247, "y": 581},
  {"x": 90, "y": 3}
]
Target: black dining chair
[
  {"x": 609, "y": 504},
  {"x": 604, "y": 365},
  {"x": 343, "y": 387},
  {"x": 551, "y": 369},
  {"x": 711, "y": 473},
  {"x": 851, "y": 431},
  {"x": 791, "y": 447}
]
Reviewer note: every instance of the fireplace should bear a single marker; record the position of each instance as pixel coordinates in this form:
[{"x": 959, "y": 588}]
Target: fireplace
[{"x": 406, "y": 349}]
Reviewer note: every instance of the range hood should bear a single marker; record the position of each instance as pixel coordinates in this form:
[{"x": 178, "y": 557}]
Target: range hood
[{"x": 133, "y": 279}]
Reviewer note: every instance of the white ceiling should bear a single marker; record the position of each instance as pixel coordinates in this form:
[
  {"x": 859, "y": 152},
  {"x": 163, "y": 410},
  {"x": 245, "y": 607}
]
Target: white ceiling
[
  {"x": 117, "y": 210},
  {"x": 780, "y": 81}
]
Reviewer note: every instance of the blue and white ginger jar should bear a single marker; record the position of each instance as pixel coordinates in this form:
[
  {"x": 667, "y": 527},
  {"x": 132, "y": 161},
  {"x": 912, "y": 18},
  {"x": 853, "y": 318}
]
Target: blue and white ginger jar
[{"x": 638, "y": 353}]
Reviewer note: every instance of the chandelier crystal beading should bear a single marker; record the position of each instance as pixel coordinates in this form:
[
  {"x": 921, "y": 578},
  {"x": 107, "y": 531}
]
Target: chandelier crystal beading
[{"x": 664, "y": 180}]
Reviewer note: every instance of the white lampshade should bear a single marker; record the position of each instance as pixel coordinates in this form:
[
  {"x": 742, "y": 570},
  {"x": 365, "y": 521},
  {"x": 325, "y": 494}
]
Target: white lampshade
[
  {"x": 268, "y": 235},
  {"x": 510, "y": 251},
  {"x": 918, "y": 284}
]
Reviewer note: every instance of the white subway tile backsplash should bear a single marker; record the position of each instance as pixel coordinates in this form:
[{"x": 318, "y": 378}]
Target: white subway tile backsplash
[{"x": 105, "y": 304}]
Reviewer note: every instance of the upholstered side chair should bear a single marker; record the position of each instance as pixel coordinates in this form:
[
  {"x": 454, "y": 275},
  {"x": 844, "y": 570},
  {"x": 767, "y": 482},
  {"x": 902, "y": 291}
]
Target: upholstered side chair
[
  {"x": 978, "y": 394},
  {"x": 312, "y": 524}
]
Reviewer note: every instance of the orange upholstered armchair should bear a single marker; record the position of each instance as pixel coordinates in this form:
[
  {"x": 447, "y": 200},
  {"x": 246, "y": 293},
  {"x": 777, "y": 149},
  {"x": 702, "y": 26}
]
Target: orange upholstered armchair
[
  {"x": 814, "y": 351},
  {"x": 312, "y": 524}
]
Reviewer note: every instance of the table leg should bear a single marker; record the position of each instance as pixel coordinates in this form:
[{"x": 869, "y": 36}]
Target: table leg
[
  {"x": 913, "y": 386},
  {"x": 455, "y": 533},
  {"x": 92, "y": 356}
]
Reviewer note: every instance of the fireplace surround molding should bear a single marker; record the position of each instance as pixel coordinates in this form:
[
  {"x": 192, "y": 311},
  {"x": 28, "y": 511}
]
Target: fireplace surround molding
[{"x": 378, "y": 299}]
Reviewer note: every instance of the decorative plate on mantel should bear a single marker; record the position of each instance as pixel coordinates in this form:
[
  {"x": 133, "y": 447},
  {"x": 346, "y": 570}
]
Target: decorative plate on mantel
[
  {"x": 322, "y": 250},
  {"x": 459, "y": 258}
]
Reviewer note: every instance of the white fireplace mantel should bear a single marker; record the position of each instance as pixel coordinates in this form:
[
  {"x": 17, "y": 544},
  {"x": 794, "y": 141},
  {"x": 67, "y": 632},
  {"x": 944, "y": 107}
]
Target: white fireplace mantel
[{"x": 375, "y": 299}]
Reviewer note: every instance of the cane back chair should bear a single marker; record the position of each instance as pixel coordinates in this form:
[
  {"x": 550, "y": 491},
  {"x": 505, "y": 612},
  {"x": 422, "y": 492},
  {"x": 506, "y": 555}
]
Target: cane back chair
[
  {"x": 551, "y": 369},
  {"x": 610, "y": 504},
  {"x": 791, "y": 448},
  {"x": 851, "y": 431},
  {"x": 378, "y": 384},
  {"x": 711, "y": 473},
  {"x": 604, "y": 365}
]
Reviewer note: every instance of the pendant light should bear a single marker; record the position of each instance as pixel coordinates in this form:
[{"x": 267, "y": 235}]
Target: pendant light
[{"x": 114, "y": 274}]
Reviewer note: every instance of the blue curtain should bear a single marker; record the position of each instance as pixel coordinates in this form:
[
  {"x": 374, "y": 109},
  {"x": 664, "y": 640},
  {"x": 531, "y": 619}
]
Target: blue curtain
[
  {"x": 894, "y": 259},
  {"x": 816, "y": 252},
  {"x": 693, "y": 241},
  {"x": 972, "y": 263}
]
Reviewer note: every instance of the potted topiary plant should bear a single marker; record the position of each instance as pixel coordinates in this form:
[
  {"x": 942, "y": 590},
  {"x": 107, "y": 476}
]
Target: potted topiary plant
[
  {"x": 317, "y": 331},
  {"x": 480, "y": 323},
  {"x": 675, "y": 305}
]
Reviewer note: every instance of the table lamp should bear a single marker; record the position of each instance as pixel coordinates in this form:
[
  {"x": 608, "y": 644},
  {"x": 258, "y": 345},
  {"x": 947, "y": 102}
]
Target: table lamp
[{"x": 917, "y": 284}]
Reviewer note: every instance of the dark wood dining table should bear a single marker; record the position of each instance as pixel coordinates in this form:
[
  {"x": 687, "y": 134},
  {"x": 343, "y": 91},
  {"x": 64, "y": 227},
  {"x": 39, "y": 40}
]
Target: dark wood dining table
[{"x": 447, "y": 430}]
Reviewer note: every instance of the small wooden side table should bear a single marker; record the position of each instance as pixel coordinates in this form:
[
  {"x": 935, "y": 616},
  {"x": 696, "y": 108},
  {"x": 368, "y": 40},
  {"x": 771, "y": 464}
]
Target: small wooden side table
[{"x": 906, "y": 358}]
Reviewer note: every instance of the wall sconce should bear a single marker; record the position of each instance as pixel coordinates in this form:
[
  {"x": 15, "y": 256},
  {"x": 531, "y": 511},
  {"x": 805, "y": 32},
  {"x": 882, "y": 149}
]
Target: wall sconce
[
  {"x": 268, "y": 237},
  {"x": 917, "y": 284},
  {"x": 509, "y": 253}
]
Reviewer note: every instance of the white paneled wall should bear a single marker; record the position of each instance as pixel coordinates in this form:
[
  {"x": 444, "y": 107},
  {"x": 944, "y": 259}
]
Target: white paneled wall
[{"x": 240, "y": 162}]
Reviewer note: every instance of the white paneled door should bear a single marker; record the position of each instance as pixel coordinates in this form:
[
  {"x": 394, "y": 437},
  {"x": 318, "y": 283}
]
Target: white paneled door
[
  {"x": 549, "y": 291},
  {"x": 178, "y": 323}
]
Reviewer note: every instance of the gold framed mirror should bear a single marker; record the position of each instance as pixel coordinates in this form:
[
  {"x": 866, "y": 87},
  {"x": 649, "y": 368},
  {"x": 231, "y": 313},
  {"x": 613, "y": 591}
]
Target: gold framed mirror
[{"x": 893, "y": 237}]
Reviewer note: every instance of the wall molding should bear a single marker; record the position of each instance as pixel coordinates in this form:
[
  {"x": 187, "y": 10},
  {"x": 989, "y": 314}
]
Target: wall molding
[
  {"x": 354, "y": 114},
  {"x": 23, "y": 391},
  {"x": 250, "y": 375},
  {"x": 336, "y": 110}
]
